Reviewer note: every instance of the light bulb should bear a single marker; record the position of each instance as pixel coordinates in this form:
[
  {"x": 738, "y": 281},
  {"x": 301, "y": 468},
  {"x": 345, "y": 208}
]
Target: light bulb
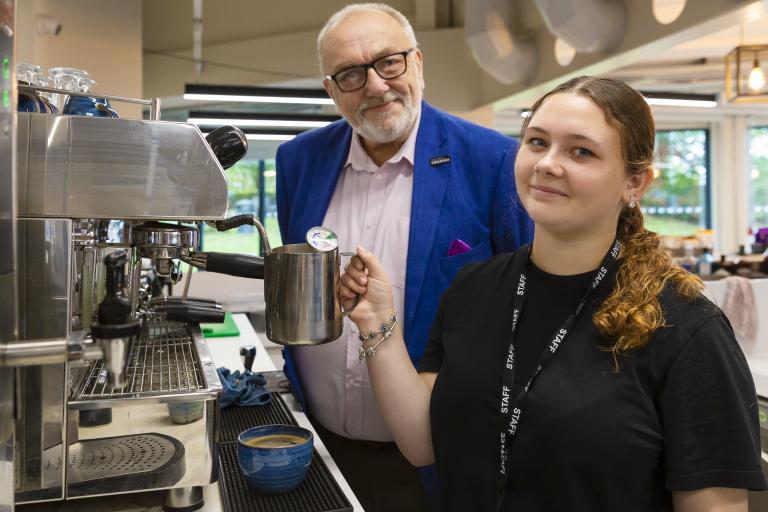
[{"x": 756, "y": 80}]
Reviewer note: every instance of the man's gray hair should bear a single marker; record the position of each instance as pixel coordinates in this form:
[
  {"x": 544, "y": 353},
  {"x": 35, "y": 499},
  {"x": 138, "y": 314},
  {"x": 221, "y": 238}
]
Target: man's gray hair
[{"x": 355, "y": 8}]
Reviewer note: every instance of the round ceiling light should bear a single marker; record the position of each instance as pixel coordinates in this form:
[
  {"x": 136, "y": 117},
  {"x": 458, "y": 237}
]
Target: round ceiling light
[
  {"x": 667, "y": 11},
  {"x": 564, "y": 53}
]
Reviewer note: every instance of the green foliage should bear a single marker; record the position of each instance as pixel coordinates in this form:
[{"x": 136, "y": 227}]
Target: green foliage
[
  {"x": 758, "y": 172},
  {"x": 681, "y": 160},
  {"x": 235, "y": 241},
  {"x": 668, "y": 225},
  {"x": 243, "y": 184}
]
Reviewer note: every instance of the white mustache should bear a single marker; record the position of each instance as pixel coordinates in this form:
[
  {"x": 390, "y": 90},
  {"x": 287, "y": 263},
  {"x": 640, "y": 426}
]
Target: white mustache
[{"x": 375, "y": 102}]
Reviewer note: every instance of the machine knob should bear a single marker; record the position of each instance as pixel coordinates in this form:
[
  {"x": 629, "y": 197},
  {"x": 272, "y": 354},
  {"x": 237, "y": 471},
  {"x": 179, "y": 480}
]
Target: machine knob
[
  {"x": 228, "y": 144},
  {"x": 248, "y": 354}
]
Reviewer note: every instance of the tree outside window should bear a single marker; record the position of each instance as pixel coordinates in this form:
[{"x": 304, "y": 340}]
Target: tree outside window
[
  {"x": 758, "y": 177},
  {"x": 244, "y": 197},
  {"x": 677, "y": 203}
]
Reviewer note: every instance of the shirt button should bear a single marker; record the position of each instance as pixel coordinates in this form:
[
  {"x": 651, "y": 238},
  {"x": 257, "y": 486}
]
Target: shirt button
[
  {"x": 378, "y": 176},
  {"x": 368, "y": 226}
]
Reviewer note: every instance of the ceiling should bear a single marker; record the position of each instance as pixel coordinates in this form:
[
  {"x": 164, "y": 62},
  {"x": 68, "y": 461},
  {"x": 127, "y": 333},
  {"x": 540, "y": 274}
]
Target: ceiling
[
  {"x": 266, "y": 42},
  {"x": 168, "y": 24}
]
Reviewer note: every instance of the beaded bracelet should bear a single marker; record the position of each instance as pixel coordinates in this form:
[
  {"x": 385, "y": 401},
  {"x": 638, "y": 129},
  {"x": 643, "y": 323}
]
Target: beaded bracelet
[
  {"x": 385, "y": 332},
  {"x": 384, "y": 328}
]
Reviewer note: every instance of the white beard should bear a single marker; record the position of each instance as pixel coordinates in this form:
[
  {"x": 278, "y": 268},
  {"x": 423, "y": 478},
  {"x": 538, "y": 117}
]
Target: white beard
[{"x": 388, "y": 126}]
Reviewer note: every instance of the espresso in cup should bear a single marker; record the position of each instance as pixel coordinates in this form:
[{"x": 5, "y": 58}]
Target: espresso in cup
[
  {"x": 274, "y": 458},
  {"x": 276, "y": 441}
]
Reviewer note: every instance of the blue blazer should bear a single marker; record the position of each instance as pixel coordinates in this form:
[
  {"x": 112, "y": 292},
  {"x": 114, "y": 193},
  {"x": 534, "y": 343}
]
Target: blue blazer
[{"x": 463, "y": 189}]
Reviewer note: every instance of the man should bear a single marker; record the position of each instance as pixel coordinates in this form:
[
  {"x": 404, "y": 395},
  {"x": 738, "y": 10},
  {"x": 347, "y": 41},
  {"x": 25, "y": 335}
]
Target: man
[{"x": 423, "y": 190}]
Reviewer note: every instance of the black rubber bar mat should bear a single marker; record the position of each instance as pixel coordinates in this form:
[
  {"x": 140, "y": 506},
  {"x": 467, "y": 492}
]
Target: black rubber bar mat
[
  {"x": 235, "y": 419},
  {"x": 319, "y": 492}
]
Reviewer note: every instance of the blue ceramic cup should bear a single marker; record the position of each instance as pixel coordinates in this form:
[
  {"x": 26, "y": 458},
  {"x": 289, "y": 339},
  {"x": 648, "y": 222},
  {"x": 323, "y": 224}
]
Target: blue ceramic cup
[
  {"x": 186, "y": 412},
  {"x": 274, "y": 458},
  {"x": 86, "y": 106}
]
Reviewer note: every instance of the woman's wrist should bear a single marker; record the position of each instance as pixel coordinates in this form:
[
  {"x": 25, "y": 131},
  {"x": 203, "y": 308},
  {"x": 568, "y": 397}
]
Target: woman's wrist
[{"x": 373, "y": 323}]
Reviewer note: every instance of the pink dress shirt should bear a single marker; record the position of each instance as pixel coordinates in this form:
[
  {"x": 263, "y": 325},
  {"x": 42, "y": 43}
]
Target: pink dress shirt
[{"x": 371, "y": 206}]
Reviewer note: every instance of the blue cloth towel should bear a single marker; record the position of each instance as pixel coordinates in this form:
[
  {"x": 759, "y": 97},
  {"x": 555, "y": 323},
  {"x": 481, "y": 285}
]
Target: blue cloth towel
[{"x": 245, "y": 388}]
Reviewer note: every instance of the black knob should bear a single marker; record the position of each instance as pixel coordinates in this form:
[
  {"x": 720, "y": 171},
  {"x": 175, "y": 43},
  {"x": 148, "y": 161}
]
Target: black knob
[
  {"x": 248, "y": 354},
  {"x": 228, "y": 144}
]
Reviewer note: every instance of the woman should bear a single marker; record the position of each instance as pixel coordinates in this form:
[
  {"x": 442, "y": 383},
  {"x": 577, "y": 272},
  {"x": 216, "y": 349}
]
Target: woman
[{"x": 583, "y": 372}]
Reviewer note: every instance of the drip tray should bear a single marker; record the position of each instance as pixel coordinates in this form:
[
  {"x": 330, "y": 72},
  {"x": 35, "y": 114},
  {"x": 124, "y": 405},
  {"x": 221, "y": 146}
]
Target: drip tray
[
  {"x": 122, "y": 463},
  {"x": 319, "y": 492}
]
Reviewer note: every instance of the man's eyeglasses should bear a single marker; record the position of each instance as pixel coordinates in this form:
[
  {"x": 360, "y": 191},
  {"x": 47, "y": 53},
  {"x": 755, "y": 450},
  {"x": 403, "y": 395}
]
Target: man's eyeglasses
[{"x": 387, "y": 67}]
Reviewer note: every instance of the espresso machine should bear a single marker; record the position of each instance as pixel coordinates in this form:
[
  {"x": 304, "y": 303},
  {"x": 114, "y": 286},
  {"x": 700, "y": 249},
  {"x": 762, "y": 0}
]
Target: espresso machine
[
  {"x": 105, "y": 388},
  {"x": 109, "y": 400}
]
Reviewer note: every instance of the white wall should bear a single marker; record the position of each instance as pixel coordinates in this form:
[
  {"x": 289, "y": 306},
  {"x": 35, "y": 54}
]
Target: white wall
[{"x": 104, "y": 37}]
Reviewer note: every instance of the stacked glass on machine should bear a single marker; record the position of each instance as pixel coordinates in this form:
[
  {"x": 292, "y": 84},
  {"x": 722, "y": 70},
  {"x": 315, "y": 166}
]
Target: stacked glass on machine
[{"x": 63, "y": 90}]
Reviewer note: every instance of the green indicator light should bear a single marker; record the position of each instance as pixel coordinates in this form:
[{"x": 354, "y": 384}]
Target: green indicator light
[
  {"x": 763, "y": 417},
  {"x": 6, "y": 99},
  {"x": 6, "y": 68}
]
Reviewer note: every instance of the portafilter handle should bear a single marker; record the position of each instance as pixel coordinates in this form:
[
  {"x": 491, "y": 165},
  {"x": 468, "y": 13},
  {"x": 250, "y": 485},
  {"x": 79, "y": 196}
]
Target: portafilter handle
[{"x": 247, "y": 355}]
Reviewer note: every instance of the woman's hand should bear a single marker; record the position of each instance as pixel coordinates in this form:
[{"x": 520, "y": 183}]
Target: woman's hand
[{"x": 365, "y": 275}]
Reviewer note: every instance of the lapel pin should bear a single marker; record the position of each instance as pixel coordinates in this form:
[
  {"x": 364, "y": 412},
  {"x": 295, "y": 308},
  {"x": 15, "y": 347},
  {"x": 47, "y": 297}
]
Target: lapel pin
[{"x": 439, "y": 160}]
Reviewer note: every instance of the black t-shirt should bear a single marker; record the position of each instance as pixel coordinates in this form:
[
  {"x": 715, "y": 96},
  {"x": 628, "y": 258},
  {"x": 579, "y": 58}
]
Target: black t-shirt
[{"x": 681, "y": 414}]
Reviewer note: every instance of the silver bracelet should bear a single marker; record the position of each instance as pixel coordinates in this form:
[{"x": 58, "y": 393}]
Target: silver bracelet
[
  {"x": 384, "y": 328},
  {"x": 385, "y": 332}
]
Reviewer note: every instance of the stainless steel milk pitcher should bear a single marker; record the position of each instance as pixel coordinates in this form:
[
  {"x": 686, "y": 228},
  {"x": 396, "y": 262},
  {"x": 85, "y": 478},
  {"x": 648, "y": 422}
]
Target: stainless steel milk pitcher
[
  {"x": 301, "y": 290},
  {"x": 301, "y": 285}
]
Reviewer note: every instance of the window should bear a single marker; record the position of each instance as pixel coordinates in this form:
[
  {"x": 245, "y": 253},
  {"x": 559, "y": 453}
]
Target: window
[
  {"x": 251, "y": 190},
  {"x": 677, "y": 203},
  {"x": 758, "y": 177}
]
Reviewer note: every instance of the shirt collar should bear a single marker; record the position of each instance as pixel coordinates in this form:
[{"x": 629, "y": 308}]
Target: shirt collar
[{"x": 359, "y": 160}]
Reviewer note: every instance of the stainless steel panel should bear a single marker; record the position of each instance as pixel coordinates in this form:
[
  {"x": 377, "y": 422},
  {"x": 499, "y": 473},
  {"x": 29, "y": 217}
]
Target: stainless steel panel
[
  {"x": 7, "y": 230},
  {"x": 8, "y": 305},
  {"x": 39, "y": 433},
  {"x": 7, "y": 439},
  {"x": 88, "y": 167},
  {"x": 44, "y": 274}
]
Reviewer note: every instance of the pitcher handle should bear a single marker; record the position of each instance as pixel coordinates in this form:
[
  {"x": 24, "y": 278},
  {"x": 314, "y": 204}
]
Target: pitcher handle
[{"x": 346, "y": 312}]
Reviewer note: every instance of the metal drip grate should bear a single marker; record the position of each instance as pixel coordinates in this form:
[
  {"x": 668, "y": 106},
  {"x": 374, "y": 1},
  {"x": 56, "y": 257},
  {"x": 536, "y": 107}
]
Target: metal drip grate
[
  {"x": 318, "y": 492},
  {"x": 119, "y": 464},
  {"x": 163, "y": 360},
  {"x": 103, "y": 458}
]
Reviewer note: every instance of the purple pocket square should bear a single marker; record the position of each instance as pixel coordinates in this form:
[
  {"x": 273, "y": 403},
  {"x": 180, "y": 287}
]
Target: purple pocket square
[{"x": 458, "y": 247}]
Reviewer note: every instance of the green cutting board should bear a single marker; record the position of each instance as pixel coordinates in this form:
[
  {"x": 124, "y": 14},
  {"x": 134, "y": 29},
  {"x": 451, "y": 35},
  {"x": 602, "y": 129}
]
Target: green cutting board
[{"x": 227, "y": 328}]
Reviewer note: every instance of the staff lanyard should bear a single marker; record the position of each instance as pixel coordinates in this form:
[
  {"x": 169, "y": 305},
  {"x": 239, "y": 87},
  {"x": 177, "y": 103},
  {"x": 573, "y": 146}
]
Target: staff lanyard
[{"x": 511, "y": 413}]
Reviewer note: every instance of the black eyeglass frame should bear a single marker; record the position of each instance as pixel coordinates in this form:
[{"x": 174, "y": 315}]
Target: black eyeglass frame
[{"x": 372, "y": 65}]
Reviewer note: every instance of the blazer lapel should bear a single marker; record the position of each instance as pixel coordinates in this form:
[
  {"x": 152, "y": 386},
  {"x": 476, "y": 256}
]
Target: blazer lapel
[
  {"x": 322, "y": 183},
  {"x": 430, "y": 176}
]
